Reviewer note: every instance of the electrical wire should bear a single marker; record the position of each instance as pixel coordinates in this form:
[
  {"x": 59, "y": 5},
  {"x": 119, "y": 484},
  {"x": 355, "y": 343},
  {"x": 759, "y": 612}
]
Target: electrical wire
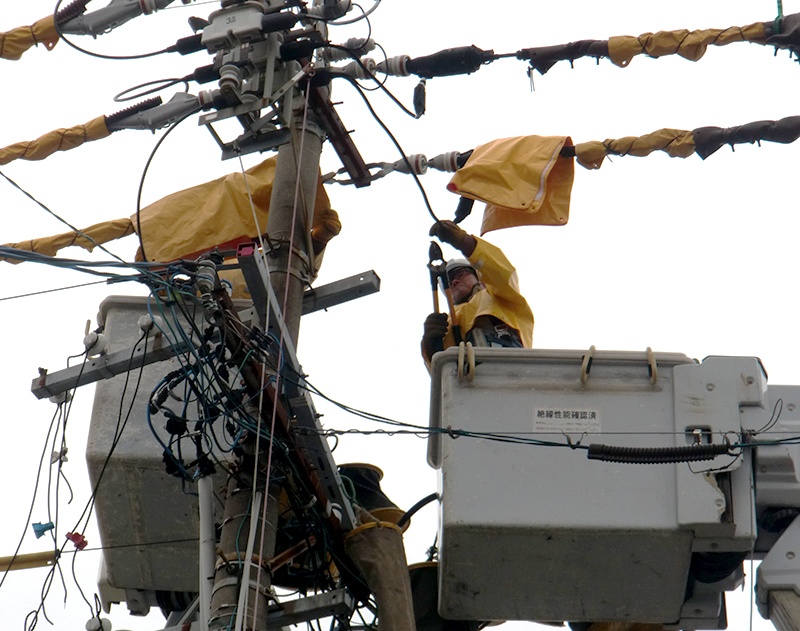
[
  {"x": 56, "y": 415},
  {"x": 48, "y": 291},
  {"x": 396, "y": 144},
  {"x": 364, "y": 15},
  {"x": 64, "y": 221},
  {"x": 380, "y": 84},
  {"x": 144, "y": 174},
  {"x": 161, "y": 84}
]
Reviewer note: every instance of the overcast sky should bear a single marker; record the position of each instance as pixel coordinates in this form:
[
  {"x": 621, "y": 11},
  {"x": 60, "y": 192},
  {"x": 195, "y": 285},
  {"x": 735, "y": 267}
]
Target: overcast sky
[{"x": 688, "y": 256}]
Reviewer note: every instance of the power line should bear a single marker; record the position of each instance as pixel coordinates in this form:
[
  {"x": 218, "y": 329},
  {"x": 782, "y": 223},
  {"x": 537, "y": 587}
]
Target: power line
[{"x": 48, "y": 291}]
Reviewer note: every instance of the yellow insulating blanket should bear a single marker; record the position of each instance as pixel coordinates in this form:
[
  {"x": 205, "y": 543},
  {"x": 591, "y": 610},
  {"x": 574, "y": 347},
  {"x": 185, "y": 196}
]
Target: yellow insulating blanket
[
  {"x": 218, "y": 213},
  {"x": 523, "y": 180}
]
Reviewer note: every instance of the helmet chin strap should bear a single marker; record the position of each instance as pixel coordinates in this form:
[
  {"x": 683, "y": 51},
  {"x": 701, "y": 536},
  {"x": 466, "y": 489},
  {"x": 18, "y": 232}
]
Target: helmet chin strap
[{"x": 475, "y": 289}]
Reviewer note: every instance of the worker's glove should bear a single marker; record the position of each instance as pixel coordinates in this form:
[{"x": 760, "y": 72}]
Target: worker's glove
[
  {"x": 448, "y": 232},
  {"x": 434, "y": 331}
]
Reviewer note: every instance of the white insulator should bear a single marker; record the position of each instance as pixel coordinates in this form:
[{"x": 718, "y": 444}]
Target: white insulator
[
  {"x": 95, "y": 344},
  {"x": 206, "y": 277},
  {"x": 206, "y": 97},
  {"x": 146, "y": 323},
  {"x": 230, "y": 76},
  {"x": 357, "y": 46},
  {"x": 62, "y": 397},
  {"x": 447, "y": 162},
  {"x": 98, "y": 624},
  {"x": 356, "y": 70},
  {"x": 332, "y": 11},
  {"x": 396, "y": 66},
  {"x": 419, "y": 164},
  {"x": 226, "y": 285}
]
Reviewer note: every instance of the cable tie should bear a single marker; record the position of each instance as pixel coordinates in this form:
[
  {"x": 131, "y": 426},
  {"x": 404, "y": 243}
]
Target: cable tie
[{"x": 451, "y": 432}]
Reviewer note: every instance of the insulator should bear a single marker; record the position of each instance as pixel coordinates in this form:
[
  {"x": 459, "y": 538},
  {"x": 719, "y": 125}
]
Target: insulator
[
  {"x": 95, "y": 344},
  {"x": 395, "y": 66},
  {"x": 148, "y": 6},
  {"x": 446, "y": 162},
  {"x": 419, "y": 164},
  {"x": 206, "y": 277},
  {"x": 357, "y": 70},
  {"x": 356, "y": 46},
  {"x": 230, "y": 77}
]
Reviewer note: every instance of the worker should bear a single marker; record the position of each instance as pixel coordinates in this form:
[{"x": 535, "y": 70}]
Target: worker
[{"x": 484, "y": 286}]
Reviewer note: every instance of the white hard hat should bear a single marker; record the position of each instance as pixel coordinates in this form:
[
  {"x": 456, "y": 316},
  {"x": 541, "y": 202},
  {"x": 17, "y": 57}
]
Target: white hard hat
[{"x": 454, "y": 264}]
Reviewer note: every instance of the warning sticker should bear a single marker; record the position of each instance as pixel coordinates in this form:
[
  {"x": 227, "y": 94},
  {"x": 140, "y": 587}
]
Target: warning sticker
[{"x": 565, "y": 420}]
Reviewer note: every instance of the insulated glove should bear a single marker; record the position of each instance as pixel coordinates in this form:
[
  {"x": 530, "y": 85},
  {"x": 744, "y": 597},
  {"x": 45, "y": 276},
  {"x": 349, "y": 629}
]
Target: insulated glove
[
  {"x": 435, "y": 329},
  {"x": 448, "y": 232}
]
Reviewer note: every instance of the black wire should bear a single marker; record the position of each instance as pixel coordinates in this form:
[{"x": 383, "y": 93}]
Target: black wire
[
  {"x": 98, "y": 55},
  {"x": 380, "y": 84},
  {"x": 64, "y": 221},
  {"x": 161, "y": 84},
  {"x": 412, "y": 511},
  {"x": 396, "y": 144},
  {"x": 118, "y": 430},
  {"x": 78, "y": 585},
  {"x": 33, "y": 501},
  {"x": 144, "y": 174},
  {"x": 47, "y": 291},
  {"x": 776, "y": 414}
]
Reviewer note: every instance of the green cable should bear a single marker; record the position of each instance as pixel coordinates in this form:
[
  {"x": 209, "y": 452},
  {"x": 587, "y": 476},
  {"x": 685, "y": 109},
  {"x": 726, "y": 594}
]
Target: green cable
[{"x": 776, "y": 24}]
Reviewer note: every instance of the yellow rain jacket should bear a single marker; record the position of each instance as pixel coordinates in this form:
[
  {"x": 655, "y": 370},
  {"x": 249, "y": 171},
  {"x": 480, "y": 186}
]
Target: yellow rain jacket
[{"x": 500, "y": 298}]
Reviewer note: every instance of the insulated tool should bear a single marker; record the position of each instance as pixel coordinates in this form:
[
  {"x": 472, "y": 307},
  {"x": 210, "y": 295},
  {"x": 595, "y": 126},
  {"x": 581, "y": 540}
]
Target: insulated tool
[{"x": 435, "y": 253}]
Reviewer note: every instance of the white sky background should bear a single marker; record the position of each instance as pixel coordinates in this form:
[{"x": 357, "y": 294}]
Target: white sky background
[{"x": 681, "y": 255}]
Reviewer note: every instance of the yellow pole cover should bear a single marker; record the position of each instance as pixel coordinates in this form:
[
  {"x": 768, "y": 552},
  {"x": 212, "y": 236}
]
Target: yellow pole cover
[
  {"x": 57, "y": 140},
  {"x": 87, "y": 239},
  {"x": 688, "y": 44},
  {"x": 16, "y": 41}
]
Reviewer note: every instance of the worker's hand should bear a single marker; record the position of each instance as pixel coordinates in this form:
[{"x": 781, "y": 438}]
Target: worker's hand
[
  {"x": 434, "y": 331},
  {"x": 448, "y": 232}
]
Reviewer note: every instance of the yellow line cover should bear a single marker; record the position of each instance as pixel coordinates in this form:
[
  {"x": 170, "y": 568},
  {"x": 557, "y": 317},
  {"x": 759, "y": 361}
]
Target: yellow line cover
[
  {"x": 57, "y": 140},
  {"x": 16, "y": 41},
  {"x": 688, "y": 44},
  {"x": 100, "y": 233}
]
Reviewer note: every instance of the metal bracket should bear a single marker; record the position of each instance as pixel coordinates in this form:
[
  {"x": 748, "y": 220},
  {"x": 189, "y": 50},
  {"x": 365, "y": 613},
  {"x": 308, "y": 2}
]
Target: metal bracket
[
  {"x": 780, "y": 569},
  {"x": 256, "y": 274},
  {"x": 299, "y": 610},
  {"x": 156, "y": 349}
]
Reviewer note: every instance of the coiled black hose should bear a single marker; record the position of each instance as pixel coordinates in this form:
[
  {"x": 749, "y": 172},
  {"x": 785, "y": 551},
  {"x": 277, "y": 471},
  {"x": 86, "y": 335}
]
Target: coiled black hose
[{"x": 656, "y": 455}]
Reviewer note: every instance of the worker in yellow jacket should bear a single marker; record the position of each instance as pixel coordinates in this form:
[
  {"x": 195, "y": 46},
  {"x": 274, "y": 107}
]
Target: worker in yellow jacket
[{"x": 489, "y": 308}]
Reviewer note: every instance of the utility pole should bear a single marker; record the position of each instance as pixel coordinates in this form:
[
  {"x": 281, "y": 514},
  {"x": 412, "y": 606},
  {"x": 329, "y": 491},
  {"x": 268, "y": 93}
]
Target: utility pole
[
  {"x": 290, "y": 211},
  {"x": 248, "y": 536}
]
